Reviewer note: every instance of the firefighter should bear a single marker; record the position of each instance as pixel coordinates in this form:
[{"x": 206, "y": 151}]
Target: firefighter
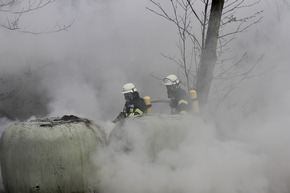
[
  {"x": 179, "y": 100},
  {"x": 134, "y": 104}
]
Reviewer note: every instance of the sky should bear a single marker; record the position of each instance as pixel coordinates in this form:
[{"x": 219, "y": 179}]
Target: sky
[{"x": 81, "y": 71}]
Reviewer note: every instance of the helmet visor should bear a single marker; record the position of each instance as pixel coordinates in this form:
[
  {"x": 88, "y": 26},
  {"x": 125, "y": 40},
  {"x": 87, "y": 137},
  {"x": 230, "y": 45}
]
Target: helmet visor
[
  {"x": 167, "y": 81},
  {"x": 170, "y": 90},
  {"x": 128, "y": 96}
]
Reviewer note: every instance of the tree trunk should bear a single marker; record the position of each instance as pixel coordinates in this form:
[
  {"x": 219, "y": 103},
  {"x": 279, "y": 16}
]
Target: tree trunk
[{"x": 208, "y": 56}]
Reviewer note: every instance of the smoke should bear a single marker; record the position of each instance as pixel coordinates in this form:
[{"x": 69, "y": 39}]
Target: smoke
[
  {"x": 81, "y": 71},
  {"x": 189, "y": 155},
  {"x": 244, "y": 150}
]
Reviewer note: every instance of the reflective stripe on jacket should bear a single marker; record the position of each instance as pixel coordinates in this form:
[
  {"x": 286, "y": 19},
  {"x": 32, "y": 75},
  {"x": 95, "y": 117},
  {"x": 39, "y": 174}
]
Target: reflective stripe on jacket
[
  {"x": 180, "y": 102},
  {"x": 135, "y": 107}
]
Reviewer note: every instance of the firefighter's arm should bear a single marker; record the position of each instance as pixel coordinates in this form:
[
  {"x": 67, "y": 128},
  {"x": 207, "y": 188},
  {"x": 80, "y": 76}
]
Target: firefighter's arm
[
  {"x": 120, "y": 117},
  {"x": 183, "y": 105}
]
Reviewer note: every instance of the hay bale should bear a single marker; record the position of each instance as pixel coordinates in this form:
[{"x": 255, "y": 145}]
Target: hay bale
[
  {"x": 153, "y": 133},
  {"x": 49, "y": 155}
]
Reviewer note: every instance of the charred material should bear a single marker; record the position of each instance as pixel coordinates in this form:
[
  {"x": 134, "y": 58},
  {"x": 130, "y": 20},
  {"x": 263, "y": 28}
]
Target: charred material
[{"x": 51, "y": 122}]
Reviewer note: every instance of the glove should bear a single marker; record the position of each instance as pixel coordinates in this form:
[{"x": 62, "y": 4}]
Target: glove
[
  {"x": 120, "y": 117},
  {"x": 127, "y": 107}
]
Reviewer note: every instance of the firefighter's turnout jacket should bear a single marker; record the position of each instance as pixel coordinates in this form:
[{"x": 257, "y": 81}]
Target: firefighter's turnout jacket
[
  {"x": 179, "y": 102},
  {"x": 135, "y": 107}
]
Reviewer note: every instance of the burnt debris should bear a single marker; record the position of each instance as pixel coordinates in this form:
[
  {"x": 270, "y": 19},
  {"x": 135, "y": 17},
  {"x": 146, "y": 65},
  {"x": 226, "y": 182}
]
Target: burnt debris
[{"x": 50, "y": 122}]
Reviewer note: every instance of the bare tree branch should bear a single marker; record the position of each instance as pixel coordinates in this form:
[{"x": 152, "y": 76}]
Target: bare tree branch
[
  {"x": 243, "y": 76},
  {"x": 175, "y": 20},
  {"x": 192, "y": 52},
  {"x": 10, "y": 7},
  {"x": 239, "y": 30},
  {"x": 232, "y": 66},
  {"x": 201, "y": 23}
]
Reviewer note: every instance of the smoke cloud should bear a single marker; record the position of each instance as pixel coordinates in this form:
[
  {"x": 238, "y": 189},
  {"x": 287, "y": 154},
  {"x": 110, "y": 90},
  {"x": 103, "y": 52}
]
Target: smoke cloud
[{"x": 81, "y": 71}]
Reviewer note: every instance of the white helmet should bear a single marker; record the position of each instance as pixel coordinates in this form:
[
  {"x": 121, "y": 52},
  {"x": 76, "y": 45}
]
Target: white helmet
[
  {"x": 171, "y": 80},
  {"x": 128, "y": 88}
]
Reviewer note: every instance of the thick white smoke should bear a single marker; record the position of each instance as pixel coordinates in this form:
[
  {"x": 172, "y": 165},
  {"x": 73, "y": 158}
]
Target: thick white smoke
[
  {"x": 245, "y": 151},
  {"x": 81, "y": 71}
]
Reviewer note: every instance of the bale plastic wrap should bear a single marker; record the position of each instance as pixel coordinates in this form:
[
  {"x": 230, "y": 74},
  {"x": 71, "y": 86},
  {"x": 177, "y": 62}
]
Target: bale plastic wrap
[{"x": 49, "y": 155}]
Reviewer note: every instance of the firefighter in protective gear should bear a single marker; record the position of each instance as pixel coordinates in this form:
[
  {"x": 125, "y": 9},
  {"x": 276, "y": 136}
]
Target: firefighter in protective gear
[
  {"x": 134, "y": 104},
  {"x": 179, "y": 100}
]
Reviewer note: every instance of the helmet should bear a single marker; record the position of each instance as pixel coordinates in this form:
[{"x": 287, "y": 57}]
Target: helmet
[
  {"x": 171, "y": 80},
  {"x": 128, "y": 88}
]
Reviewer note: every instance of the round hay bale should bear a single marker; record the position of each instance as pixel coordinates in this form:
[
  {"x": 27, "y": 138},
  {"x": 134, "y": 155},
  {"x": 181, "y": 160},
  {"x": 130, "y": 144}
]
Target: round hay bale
[
  {"x": 49, "y": 155},
  {"x": 153, "y": 133}
]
